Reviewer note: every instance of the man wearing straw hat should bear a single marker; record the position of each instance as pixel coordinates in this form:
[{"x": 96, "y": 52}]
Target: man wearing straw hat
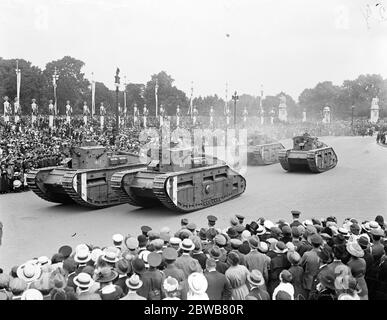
[{"x": 133, "y": 283}]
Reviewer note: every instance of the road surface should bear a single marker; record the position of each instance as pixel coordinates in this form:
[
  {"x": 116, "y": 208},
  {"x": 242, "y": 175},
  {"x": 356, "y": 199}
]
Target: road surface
[{"x": 357, "y": 188}]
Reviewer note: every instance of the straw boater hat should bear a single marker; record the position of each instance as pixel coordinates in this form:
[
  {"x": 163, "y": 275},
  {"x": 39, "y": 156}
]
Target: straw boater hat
[
  {"x": 280, "y": 247},
  {"x": 82, "y": 256},
  {"x": 83, "y": 280},
  {"x": 354, "y": 249},
  {"x": 134, "y": 282},
  {"x": 255, "y": 278},
  {"x": 170, "y": 284},
  {"x": 29, "y": 272},
  {"x": 32, "y": 294},
  {"x": 197, "y": 283},
  {"x": 110, "y": 255},
  {"x": 187, "y": 245}
]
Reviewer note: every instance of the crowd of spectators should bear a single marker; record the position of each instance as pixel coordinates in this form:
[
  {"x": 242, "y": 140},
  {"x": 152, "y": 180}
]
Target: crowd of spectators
[{"x": 317, "y": 259}]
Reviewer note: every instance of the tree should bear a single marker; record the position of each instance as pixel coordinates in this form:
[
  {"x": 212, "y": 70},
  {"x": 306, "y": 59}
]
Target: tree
[
  {"x": 134, "y": 95},
  {"x": 32, "y": 82},
  {"x": 169, "y": 96},
  {"x": 71, "y": 84}
]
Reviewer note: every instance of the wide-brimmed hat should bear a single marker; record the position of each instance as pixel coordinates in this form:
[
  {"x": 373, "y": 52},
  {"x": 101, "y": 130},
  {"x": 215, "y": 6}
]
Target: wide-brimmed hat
[
  {"x": 327, "y": 278},
  {"x": 280, "y": 247},
  {"x": 377, "y": 232},
  {"x": 354, "y": 249},
  {"x": 170, "y": 284},
  {"x": 106, "y": 274},
  {"x": 29, "y": 272},
  {"x": 110, "y": 255},
  {"x": 95, "y": 254},
  {"x": 268, "y": 224},
  {"x": 32, "y": 294},
  {"x": 197, "y": 283},
  {"x": 82, "y": 256},
  {"x": 363, "y": 242},
  {"x": 187, "y": 245},
  {"x": 83, "y": 280},
  {"x": 255, "y": 278},
  {"x": 134, "y": 282}
]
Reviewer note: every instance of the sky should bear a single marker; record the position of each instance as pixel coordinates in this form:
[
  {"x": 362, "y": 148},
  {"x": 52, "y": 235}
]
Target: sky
[{"x": 283, "y": 45}]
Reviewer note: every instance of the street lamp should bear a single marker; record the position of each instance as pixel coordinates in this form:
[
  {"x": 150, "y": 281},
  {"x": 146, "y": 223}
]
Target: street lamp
[
  {"x": 235, "y": 98},
  {"x": 117, "y": 84},
  {"x": 55, "y": 78}
]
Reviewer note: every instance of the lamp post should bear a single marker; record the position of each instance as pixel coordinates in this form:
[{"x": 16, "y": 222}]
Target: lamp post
[
  {"x": 117, "y": 84},
  {"x": 55, "y": 78},
  {"x": 235, "y": 98}
]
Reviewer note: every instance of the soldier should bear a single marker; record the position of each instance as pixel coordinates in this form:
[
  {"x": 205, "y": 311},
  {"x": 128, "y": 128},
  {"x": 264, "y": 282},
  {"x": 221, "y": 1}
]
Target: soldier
[
  {"x": 69, "y": 111},
  {"x": 145, "y": 113},
  {"x": 17, "y": 110},
  {"x": 178, "y": 114},
  {"x": 35, "y": 110},
  {"x": 86, "y": 112},
  {"x": 51, "y": 112},
  {"x": 7, "y": 109}
]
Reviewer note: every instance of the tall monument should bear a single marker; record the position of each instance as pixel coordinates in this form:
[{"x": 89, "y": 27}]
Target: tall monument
[
  {"x": 282, "y": 112},
  {"x": 374, "y": 110}
]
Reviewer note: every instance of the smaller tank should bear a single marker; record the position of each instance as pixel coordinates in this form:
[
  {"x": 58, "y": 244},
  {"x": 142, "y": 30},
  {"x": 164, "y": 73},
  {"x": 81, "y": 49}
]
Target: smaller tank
[
  {"x": 84, "y": 178},
  {"x": 261, "y": 150},
  {"x": 308, "y": 154}
]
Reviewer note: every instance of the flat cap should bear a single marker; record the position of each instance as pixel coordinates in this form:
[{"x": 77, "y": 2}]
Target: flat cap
[
  {"x": 169, "y": 253},
  {"x": 235, "y": 243},
  {"x": 184, "y": 221},
  {"x": 212, "y": 218},
  {"x": 145, "y": 229},
  {"x": 191, "y": 226},
  {"x": 316, "y": 239},
  {"x": 220, "y": 240}
]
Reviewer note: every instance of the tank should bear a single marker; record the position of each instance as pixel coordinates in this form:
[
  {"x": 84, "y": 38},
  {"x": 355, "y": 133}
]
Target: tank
[
  {"x": 308, "y": 154},
  {"x": 84, "y": 178},
  {"x": 190, "y": 183},
  {"x": 261, "y": 150}
]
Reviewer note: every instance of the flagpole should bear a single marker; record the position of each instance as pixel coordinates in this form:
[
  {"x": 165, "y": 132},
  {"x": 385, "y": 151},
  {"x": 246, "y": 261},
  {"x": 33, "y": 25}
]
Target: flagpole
[
  {"x": 156, "y": 98},
  {"x": 225, "y": 102},
  {"x": 191, "y": 100},
  {"x": 18, "y": 80},
  {"x": 92, "y": 95}
]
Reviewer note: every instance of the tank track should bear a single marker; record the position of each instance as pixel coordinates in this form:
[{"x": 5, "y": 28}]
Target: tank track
[
  {"x": 67, "y": 182},
  {"x": 159, "y": 189},
  {"x": 311, "y": 158},
  {"x": 125, "y": 194},
  {"x": 32, "y": 184},
  {"x": 283, "y": 159}
]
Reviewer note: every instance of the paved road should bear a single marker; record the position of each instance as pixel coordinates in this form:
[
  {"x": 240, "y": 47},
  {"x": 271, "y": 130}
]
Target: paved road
[{"x": 357, "y": 187}]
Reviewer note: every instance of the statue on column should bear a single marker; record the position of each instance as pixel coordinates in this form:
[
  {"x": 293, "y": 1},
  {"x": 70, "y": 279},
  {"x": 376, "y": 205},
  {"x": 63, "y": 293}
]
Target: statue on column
[
  {"x": 211, "y": 116},
  {"x": 145, "y": 113},
  {"x": 17, "y": 109},
  {"x": 326, "y": 115},
  {"x": 135, "y": 114},
  {"x": 51, "y": 112},
  {"x": 282, "y": 112},
  {"x": 374, "y": 110},
  {"x": 245, "y": 115},
  {"x": 178, "y": 114},
  {"x": 162, "y": 114},
  {"x": 69, "y": 111},
  {"x": 7, "y": 109},
  {"x": 304, "y": 115},
  {"x": 35, "y": 110},
  {"x": 102, "y": 113},
  {"x": 272, "y": 115},
  {"x": 86, "y": 112},
  {"x": 195, "y": 114}
]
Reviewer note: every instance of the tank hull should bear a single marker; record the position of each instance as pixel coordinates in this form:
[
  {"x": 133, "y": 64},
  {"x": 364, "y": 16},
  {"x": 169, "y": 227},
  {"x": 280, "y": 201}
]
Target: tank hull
[
  {"x": 316, "y": 160},
  {"x": 181, "y": 191},
  {"x": 86, "y": 187},
  {"x": 264, "y": 154}
]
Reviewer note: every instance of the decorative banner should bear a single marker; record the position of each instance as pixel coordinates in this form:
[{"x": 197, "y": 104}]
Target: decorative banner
[{"x": 92, "y": 98}]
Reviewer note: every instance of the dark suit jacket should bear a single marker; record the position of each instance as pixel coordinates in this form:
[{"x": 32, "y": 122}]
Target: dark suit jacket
[{"x": 219, "y": 287}]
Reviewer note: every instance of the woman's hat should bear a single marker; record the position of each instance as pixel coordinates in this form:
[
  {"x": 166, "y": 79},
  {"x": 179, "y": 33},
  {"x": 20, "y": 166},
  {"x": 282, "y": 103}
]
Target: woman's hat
[
  {"x": 83, "y": 280},
  {"x": 255, "y": 278},
  {"x": 32, "y": 294},
  {"x": 187, "y": 245},
  {"x": 106, "y": 274},
  {"x": 280, "y": 247},
  {"x": 29, "y": 272},
  {"x": 170, "y": 284},
  {"x": 82, "y": 256},
  {"x": 354, "y": 249},
  {"x": 197, "y": 283},
  {"x": 134, "y": 282}
]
